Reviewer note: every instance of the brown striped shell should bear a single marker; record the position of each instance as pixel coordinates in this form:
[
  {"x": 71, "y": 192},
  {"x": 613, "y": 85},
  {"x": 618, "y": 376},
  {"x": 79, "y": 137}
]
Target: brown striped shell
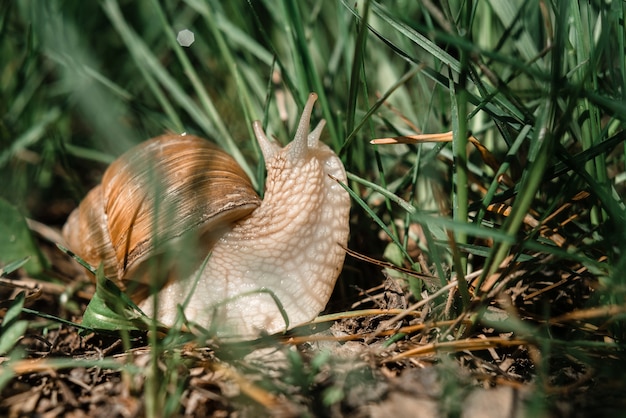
[{"x": 162, "y": 191}]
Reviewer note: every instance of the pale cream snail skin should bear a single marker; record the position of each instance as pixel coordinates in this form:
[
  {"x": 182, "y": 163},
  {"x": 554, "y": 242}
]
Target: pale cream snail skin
[{"x": 288, "y": 246}]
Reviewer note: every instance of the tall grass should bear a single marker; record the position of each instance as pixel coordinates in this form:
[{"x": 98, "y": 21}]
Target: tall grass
[{"x": 540, "y": 85}]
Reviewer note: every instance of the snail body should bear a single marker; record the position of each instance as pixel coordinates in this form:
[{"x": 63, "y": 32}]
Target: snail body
[{"x": 271, "y": 265}]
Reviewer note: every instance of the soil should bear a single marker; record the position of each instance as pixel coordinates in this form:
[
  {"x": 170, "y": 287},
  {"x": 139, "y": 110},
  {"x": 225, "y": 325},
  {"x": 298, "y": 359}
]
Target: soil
[{"x": 362, "y": 364}]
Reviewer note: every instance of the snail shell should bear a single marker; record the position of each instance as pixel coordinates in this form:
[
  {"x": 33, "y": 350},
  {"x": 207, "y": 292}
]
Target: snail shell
[{"x": 153, "y": 195}]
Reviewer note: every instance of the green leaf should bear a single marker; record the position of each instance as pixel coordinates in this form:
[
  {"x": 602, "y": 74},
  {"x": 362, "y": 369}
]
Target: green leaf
[
  {"x": 332, "y": 395},
  {"x": 11, "y": 336},
  {"x": 11, "y": 267},
  {"x": 16, "y": 241},
  {"x": 6, "y": 376},
  {"x": 110, "y": 309},
  {"x": 14, "y": 311},
  {"x": 12, "y": 330}
]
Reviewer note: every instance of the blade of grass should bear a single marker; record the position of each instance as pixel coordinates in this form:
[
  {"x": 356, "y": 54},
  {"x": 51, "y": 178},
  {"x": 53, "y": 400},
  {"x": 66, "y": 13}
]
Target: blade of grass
[
  {"x": 584, "y": 58},
  {"x": 210, "y": 121},
  {"x": 357, "y": 67},
  {"x": 212, "y": 21},
  {"x": 493, "y": 187},
  {"x": 541, "y": 152},
  {"x": 308, "y": 67},
  {"x": 31, "y": 136},
  {"x": 407, "y": 76}
]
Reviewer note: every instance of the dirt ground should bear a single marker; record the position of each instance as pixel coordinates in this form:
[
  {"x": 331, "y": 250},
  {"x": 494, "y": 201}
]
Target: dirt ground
[{"x": 349, "y": 367}]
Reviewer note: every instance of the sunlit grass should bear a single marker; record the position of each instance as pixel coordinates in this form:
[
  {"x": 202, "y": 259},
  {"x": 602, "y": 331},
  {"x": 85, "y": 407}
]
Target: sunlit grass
[{"x": 539, "y": 85}]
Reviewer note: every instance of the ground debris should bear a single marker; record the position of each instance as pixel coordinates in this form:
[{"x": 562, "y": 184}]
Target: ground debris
[{"x": 394, "y": 356}]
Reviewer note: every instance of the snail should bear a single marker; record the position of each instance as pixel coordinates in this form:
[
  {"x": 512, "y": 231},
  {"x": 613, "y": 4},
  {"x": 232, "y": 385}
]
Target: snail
[{"x": 269, "y": 264}]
